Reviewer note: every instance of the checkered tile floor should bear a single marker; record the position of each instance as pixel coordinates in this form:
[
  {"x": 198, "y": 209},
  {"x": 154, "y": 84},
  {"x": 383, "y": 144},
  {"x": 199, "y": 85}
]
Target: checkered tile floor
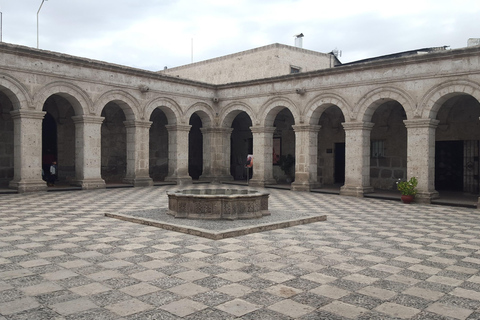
[{"x": 61, "y": 258}]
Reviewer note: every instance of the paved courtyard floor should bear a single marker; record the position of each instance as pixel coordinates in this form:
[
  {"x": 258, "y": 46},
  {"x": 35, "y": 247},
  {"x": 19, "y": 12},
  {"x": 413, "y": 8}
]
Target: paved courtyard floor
[{"x": 62, "y": 258}]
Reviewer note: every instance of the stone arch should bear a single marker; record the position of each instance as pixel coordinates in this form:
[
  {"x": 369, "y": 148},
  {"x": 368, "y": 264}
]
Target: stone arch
[
  {"x": 373, "y": 99},
  {"x": 124, "y": 100},
  {"x": 203, "y": 110},
  {"x": 437, "y": 95},
  {"x": 79, "y": 99},
  {"x": 270, "y": 109},
  {"x": 230, "y": 111},
  {"x": 171, "y": 109},
  {"x": 15, "y": 91},
  {"x": 319, "y": 104}
]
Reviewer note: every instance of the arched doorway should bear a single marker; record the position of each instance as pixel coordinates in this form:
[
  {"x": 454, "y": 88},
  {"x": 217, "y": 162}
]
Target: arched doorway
[
  {"x": 457, "y": 145},
  {"x": 331, "y": 147},
  {"x": 283, "y": 147},
  {"x": 6, "y": 141},
  {"x": 195, "y": 147},
  {"x": 241, "y": 142},
  {"x": 158, "y": 146},
  {"x": 114, "y": 145},
  {"x": 58, "y": 138},
  {"x": 388, "y": 146}
]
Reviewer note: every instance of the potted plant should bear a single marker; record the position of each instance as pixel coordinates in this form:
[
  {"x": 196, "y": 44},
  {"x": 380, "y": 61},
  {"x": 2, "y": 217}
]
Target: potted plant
[
  {"x": 408, "y": 189},
  {"x": 286, "y": 163}
]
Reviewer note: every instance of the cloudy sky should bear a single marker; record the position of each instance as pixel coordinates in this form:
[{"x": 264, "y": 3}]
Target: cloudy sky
[{"x": 151, "y": 34}]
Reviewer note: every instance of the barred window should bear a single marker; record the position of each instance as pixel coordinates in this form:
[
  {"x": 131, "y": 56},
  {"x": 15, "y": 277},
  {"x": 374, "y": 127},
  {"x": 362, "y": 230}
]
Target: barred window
[{"x": 377, "y": 148}]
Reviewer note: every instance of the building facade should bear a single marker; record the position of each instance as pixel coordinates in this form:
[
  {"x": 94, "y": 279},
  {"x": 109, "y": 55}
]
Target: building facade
[{"x": 361, "y": 126}]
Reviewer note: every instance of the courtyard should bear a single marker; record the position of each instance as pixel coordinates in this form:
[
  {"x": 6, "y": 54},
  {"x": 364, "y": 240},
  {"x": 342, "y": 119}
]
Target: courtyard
[{"x": 62, "y": 258}]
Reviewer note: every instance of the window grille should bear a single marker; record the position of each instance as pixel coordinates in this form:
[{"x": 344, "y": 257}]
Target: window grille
[{"x": 377, "y": 149}]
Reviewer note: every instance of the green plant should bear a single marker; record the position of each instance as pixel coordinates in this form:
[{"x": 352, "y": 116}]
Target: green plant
[
  {"x": 286, "y": 163},
  {"x": 408, "y": 188}
]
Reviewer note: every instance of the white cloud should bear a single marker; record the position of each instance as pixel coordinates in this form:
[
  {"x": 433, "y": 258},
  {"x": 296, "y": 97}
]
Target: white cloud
[{"x": 154, "y": 33}]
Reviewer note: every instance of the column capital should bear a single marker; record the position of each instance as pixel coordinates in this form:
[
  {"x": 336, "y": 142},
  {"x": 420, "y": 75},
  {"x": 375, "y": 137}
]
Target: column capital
[
  {"x": 306, "y": 128},
  {"x": 357, "y": 125},
  {"x": 88, "y": 119},
  {"x": 178, "y": 127},
  {"x": 421, "y": 123},
  {"x": 260, "y": 129},
  {"x": 137, "y": 124},
  {"x": 30, "y": 114}
]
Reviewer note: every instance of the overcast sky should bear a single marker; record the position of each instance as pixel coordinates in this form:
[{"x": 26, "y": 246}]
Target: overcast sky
[{"x": 151, "y": 34}]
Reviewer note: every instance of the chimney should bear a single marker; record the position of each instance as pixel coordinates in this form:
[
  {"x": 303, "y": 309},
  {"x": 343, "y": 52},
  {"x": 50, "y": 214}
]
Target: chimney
[{"x": 299, "y": 40}]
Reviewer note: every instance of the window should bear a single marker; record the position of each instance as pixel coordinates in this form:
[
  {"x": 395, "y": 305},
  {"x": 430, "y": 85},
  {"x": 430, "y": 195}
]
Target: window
[
  {"x": 295, "y": 69},
  {"x": 377, "y": 149}
]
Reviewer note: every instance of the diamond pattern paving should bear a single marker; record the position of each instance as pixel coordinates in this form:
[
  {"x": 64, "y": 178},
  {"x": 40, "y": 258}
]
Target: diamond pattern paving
[{"x": 62, "y": 258}]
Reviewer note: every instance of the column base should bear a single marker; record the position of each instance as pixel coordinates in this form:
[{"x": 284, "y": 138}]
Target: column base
[
  {"x": 426, "y": 197},
  {"x": 185, "y": 180},
  {"x": 211, "y": 178},
  {"x": 355, "y": 191},
  {"x": 260, "y": 183},
  {"x": 305, "y": 186},
  {"x": 87, "y": 184},
  {"x": 139, "y": 181},
  {"x": 28, "y": 186}
]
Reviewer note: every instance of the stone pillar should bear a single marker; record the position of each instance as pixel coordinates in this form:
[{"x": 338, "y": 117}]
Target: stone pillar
[
  {"x": 421, "y": 156},
  {"x": 138, "y": 158},
  {"x": 306, "y": 149},
  {"x": 27, "y": 151},
  {"x": 357, "y": 159},
  {"x": 178, "y": 154},
  {"x": 262, "y": 156},
  {"x": 88, "y": 152},
  {"x": 216, "y": 154}
]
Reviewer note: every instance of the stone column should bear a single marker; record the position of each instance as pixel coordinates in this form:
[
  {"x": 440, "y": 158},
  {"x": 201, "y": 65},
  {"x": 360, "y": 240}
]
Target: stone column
[
  {"x": 138, "y": 158},
  {"x": 216, "y": 154},
  {"x": 88, "y": 152},
  {"x": 306, "y": 149},
  {"x": 421, "y": 156},
  {"x": 27, "y": 151},
  {"x": 357, "y": 159},
  {"x": 178, "y": 154},
  {"x": 262, "y": 156}
]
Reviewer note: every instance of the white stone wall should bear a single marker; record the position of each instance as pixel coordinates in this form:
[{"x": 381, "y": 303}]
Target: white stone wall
[{"x": 264, "y": 62}]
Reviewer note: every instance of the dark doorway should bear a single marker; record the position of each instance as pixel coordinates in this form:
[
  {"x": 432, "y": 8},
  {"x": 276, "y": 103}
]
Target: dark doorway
[
  {"x": 49, "y": 142},
  {"x": 449, "y": 165},
  {"x": 241, "y": 145},
  {"x": 195, "y": 148},
  {"x": 339, "y": 173}
]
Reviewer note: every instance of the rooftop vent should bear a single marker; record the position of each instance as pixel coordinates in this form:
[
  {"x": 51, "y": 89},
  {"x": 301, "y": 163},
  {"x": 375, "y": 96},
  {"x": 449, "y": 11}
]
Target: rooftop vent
[{"x": 299, "y": 40}]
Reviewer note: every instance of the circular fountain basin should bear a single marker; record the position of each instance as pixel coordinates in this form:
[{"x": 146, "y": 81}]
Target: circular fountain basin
[{"x": 210, "y": 204}]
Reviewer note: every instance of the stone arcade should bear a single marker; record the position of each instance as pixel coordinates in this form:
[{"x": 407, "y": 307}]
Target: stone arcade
[{"x": 360, "y": 125}]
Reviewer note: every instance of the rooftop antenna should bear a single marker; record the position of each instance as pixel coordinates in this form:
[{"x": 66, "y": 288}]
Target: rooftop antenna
[
  {"x": 38, "y": 12},
  {"x": 1, "y": 26},
  {"x": 299, "y": 40}
]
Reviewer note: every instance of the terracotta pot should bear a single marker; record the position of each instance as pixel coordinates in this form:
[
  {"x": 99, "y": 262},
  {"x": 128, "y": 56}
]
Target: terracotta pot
[{"x": 407, "y": 198}]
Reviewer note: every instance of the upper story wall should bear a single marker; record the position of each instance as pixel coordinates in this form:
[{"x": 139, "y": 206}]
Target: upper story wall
[
  {"x": 414, "y": 81},
  {"x": 264, "y": 62},
  {"x": 29, "y": 76}
]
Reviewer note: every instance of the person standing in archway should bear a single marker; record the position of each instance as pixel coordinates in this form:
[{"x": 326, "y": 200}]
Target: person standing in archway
[{"x": 53, "y": 174}]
